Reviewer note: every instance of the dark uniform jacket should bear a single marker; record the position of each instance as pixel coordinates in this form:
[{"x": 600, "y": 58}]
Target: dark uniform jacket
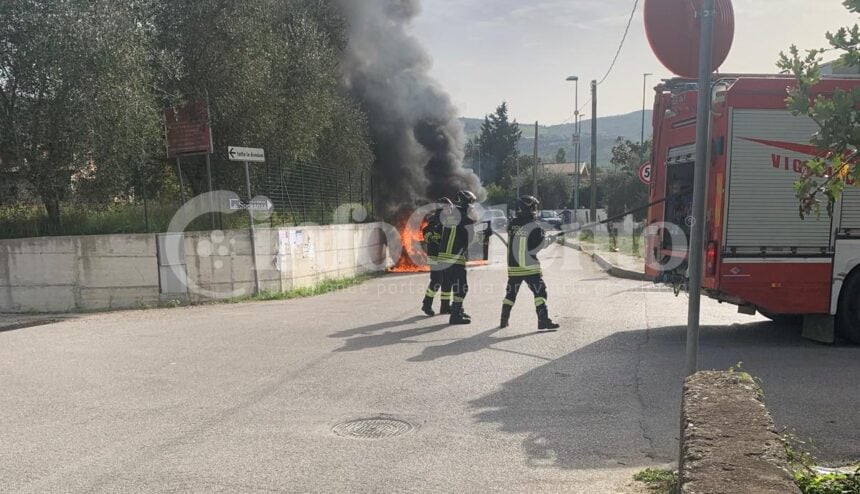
[
  {"x": 526, "y": 239},
  {"x": 433, "y": 238},
  {"x": 454, "y": 248}
]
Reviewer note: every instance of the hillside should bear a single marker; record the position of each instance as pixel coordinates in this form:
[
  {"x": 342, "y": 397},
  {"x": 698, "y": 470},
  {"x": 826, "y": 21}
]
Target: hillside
[{"x": 551, "y": 138}]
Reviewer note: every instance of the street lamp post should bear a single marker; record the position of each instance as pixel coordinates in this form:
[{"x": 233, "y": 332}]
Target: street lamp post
[
  {"x": 644, "y": 99},
  {"x": 576, "y": 144}
]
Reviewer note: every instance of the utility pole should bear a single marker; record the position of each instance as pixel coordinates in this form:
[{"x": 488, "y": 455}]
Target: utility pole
[
  {"x": 576, "y": 141},
  {"x": 593, "y": 151},
  {"x": 535, "y": 168},
  {"x": 644, "y": 100},
  {"x": 697, "y": 230}
]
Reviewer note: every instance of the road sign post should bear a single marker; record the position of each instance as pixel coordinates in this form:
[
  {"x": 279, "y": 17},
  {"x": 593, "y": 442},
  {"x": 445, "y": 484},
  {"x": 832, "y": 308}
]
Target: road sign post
[
  {"x": 697, "y": 231},
  {"x": 249, "y": 155}
]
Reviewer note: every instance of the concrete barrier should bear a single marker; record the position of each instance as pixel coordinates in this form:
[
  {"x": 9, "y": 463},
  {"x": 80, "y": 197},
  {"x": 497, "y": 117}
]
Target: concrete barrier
[
  {"x": 729, "y": 444},
  {"x": 67, "y": 274},
  {"x": 106, "y": 272}
]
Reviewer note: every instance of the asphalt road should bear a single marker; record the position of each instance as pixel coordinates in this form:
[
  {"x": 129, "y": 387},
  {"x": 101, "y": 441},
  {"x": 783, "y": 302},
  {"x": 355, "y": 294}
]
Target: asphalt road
[{"x": 244, "y": 398}]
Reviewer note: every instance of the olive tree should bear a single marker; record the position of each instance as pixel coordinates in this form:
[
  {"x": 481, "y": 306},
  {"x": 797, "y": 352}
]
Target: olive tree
[{"x": 836, "y": 115}]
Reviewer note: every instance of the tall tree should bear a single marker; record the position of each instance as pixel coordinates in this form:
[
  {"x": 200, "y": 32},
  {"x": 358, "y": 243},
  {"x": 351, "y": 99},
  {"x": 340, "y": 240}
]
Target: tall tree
[
  {"x": 497, "y": 144},
  {"x": 269, "y": 69},
  {"x": 628, "y": 156},
  {"x": 75, "y": 92},
  {"x": 622, "y": 188},
  {"x": 837, "y": 117}
]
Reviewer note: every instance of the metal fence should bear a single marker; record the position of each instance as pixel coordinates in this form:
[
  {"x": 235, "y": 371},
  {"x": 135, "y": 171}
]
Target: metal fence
[
  {"x": 300, "y": 193},
  {"x": 309, "y": 193}
]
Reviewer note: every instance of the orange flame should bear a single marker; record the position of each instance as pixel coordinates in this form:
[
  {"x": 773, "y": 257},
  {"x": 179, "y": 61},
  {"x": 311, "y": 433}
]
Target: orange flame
[{"x": 413, "y": 259}]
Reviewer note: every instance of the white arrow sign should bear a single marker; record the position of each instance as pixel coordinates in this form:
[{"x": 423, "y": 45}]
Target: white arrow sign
[{"x": 251, "y": 155}]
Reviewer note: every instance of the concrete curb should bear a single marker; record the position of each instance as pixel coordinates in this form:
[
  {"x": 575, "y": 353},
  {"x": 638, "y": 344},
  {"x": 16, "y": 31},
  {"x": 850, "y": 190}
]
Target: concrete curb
[
  {"x": 611, "y": 269},
  {"x": 729, "y": 442}
]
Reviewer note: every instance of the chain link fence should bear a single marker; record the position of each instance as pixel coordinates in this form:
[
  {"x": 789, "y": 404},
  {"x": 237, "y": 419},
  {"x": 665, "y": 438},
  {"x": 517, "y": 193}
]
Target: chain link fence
[
  {"x": 300, "y": 193},
  {"x": 308, "y": 193}
]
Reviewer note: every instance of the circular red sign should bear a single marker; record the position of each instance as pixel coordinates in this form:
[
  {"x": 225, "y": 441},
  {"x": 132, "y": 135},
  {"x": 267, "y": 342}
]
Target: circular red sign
[
  {"x": 645, "y": 173},
  {"x": 674, "y": 32}
]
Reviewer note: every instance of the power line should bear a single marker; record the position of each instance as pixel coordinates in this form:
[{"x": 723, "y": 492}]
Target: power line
[{"x": 620, "y": 46}]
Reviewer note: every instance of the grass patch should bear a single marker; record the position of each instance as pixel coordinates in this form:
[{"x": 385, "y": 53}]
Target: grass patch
[
  {"x": 327, "y": 286},
  {"x": 812, "y": 481},
  {"x": 659, "y": 481},
  {"x": 624, "y": 244}
]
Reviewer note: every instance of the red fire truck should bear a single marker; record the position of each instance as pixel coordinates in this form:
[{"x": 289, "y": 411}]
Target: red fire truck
[{"x": 761, "y": 255}]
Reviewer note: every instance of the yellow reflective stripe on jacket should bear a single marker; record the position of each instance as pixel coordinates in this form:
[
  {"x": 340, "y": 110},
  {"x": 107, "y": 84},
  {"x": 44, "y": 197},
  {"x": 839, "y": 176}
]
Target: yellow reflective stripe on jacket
[
  {"x": 452, "y": 259},
  {"x": 526, "y": 271},
  {"x": 450, "y": 248},
  {"x": 523, "y": 245}
]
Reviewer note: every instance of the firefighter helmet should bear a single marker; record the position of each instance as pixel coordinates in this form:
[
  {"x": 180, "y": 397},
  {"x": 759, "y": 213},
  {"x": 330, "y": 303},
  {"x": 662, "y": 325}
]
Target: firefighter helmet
[
  {"x": 444, "y": 203},
  {"x": 527, "y": 205},
  {"x": 465, "y": 198}
]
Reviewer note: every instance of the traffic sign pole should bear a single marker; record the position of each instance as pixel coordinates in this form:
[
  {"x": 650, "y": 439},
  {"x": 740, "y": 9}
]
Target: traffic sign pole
[
  {"x": 253, "y": 233},
  {"x": 697, "y": 230}
]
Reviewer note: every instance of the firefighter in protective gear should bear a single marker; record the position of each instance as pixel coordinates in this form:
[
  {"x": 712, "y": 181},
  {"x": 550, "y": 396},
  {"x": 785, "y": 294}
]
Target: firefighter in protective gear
[
  {"x": 525, "y": 239},
  {"x": 432, "y": 241},
  {"x": 454, "y": 252}
]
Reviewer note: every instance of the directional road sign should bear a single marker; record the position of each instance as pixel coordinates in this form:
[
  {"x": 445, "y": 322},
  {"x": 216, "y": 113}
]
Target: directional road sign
[
  {"x": 250, "y": 155},
  {"x": 254, "y": 205}
]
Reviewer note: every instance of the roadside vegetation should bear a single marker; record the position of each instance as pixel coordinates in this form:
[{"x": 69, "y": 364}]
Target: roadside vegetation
[
  {"x": 322, "y": 288},
  {"x": 327, "y": 286},
  {"x": 623, "y": 244},
  {"x": 815, "y": 480},
  {"x": 85, "y": 84},
  {"x": 659, "y": 481}
]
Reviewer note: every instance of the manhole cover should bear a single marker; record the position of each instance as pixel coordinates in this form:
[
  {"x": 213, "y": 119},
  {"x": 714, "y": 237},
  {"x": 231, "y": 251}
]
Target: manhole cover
[{"x": 374, "y": 428}]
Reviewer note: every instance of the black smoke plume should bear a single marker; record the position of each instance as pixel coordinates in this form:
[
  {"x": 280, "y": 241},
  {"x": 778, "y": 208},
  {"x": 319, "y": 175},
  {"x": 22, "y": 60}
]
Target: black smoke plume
[{"x": 418, "y": 139}]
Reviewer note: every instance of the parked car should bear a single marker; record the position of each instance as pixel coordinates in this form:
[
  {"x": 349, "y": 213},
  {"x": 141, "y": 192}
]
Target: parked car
[
  {"x": 551, "y": 218},
  {"x": 497, "y": 218}
]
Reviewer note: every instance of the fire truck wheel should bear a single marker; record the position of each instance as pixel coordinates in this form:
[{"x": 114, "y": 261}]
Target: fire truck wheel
[{"x": 848, "y": 315}]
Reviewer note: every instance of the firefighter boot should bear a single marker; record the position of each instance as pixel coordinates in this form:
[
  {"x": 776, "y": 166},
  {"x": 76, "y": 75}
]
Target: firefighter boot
[
  {"x": 506, "y": 316},
  {"x": 544, "y": 322},
  {"x": 446, "y": 307},
  {"x": 427, "y": 307},
  {"x": 458, "y": 317}
]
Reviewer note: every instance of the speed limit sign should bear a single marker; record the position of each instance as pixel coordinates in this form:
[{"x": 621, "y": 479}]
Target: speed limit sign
[{"x": 645, "y": 173}]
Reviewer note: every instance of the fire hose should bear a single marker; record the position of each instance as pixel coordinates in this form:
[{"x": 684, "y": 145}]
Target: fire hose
[{"x": 617, "y": 217}]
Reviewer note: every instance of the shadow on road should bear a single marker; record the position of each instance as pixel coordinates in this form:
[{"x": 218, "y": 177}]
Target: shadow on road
[
  {"x": 359, "y": 343},
  {"x": 476, "y": 343},
  {"x": 617, "y": 400},
  {"x": 372, "y": 328}
]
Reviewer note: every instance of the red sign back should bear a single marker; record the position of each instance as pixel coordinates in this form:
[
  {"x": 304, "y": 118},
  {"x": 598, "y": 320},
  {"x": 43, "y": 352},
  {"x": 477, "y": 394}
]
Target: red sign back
[
  {"x": 674, "y": 32},
  {"x": 188, "y": 131}
]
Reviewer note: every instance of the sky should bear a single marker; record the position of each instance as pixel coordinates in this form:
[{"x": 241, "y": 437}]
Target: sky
[{"x": 521, "y": 51}]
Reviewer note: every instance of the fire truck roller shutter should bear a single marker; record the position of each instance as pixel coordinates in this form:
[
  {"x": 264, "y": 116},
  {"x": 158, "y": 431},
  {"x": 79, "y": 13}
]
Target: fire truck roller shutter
[
  {"x": 850, "y": 218},
  {"x": 766, "y": 158}
]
